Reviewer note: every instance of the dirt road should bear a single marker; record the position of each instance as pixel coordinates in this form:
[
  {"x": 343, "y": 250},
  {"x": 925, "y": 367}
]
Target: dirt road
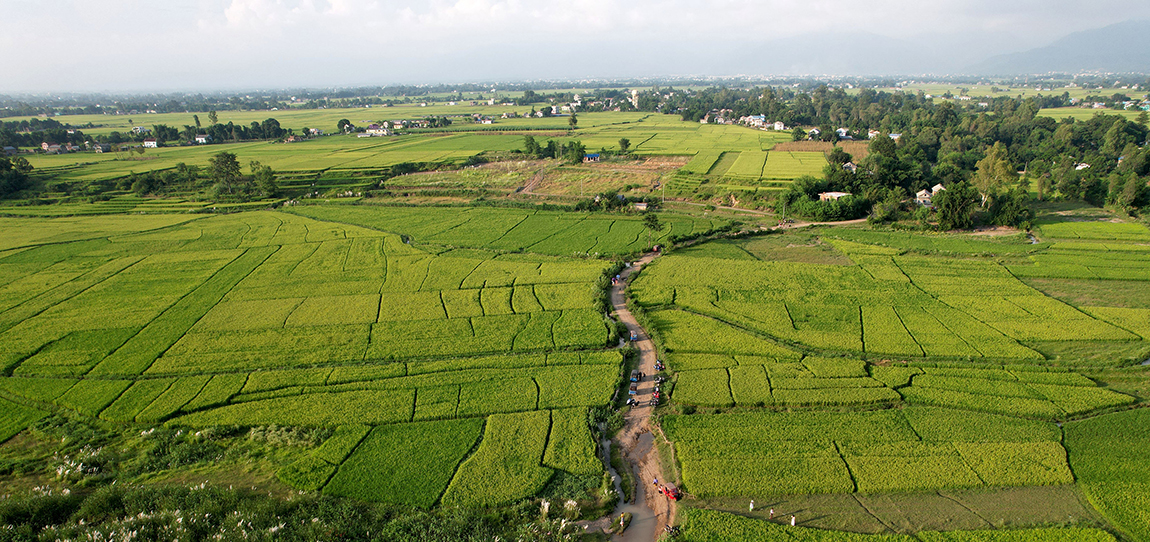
[{"x": 636, "y": 436}]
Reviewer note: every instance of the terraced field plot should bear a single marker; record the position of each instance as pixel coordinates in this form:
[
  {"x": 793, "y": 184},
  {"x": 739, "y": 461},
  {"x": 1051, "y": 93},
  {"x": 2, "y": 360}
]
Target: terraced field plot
[
  {"x": 792, "y": 165},
  {"x": 870, "y": 369},
  {"x": 513, "y": 230},
  {"x": 899, "y": 305},
  {"x": 272, "y": 318}
]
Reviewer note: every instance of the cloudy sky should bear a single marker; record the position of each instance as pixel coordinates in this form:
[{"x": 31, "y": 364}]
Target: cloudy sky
[{"x": 165, "y": 45}]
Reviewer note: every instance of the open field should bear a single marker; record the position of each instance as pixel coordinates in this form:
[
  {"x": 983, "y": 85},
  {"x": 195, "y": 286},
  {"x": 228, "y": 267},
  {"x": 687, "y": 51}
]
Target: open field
[
  {"x": 1082, "y": 113},
  {"x": 878, "y": 384},
  {"x": 271, "y": 318},
  {"x": 895, "y": 368},
  {"x": 985, "y": 91},
  {"x": 336, "y": 164}
]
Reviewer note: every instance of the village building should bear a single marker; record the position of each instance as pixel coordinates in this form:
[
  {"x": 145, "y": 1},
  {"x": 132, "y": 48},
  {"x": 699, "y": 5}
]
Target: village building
[
  {"x": 101, "y": 148},
  {"x": 375, "y": 130},
  {"x": 9, "y": 151},
  {"x": 591, "y": 157},
  {"x": 151, "y": 143},
  {"x": 203, "y": 139},
  {"x": 832, "y": 196},
  {"x": 780, "y": 126},
  {"x": 850, "y": 166},
  {"x": 924, "y": 197}
]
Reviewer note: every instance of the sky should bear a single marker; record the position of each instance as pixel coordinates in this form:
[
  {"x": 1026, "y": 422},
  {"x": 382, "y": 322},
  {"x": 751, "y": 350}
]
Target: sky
[{"x": 182, "y": 45}]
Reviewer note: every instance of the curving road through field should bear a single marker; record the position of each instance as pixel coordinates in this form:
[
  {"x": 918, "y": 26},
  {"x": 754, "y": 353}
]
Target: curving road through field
[{"x": 636, "y": 437}]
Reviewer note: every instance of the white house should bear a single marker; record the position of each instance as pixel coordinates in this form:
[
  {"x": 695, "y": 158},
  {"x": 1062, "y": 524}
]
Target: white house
[
  {"x": 140, "y": 130},
  {"x": 151, "y": 143},
  {"x": 780, "y": 126},
  {"x": 924, "y": 197},
  {"x": 203, "y": 139},
  {"x": 831, "y": 196},
  {"x": 377, "y": 130},
  {"x": 871, "y": 134},
  {"x": 850, "y": 166}
]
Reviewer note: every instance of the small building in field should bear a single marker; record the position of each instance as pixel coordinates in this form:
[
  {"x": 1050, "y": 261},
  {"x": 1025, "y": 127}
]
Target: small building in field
[
  {"x": 591, "y": 157},
  {"x": 832, "y": 196},
  {"x": 10, "y": 151},
  {"x": 850, "y": 166},
  {"x": 140, "y": 130},
  {"x": 780, "y": 126},
  {"x": 151, "y": 143},
  {"x": 203, "y": 139},
  {"x": 871, "y": 134},
  {"x": 54, "y": 148},
  {"x": 101, "y": 148},
  {"x": 640, "y": 206}
]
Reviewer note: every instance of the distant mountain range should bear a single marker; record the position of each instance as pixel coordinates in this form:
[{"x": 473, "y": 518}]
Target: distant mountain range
[{"x": 1119, "y": 47}]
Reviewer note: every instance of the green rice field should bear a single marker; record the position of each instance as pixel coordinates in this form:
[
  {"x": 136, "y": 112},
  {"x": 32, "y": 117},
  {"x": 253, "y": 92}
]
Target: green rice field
[
  {"x": 889, "y": 365},
  {"x": 272, "y": 318}
]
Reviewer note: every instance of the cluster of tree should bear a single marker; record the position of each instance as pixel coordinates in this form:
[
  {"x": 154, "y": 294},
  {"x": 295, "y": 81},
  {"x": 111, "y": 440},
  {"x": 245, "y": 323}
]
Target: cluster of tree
[
  {"x": 614, "y": 201},
  {"x": 571, "y": 152},
  {"x": 1002, "y": 152},
  {"x": 13, "y": 175},
  {"x": 231, "y": 184},
  {"x": 33, "y": 132},
  {"x": 802, "y": 198},
  {"x": 183, "y": 178}
]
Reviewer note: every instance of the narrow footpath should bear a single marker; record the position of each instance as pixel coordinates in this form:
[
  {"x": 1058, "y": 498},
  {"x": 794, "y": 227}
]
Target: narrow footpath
[{"x": 636, "y": 437}]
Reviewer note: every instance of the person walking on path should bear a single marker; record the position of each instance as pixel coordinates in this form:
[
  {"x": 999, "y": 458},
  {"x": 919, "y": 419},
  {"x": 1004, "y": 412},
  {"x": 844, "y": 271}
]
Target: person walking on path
[
  {"x": 792, "y": 521},
  {"x": 752, "y": 505}
]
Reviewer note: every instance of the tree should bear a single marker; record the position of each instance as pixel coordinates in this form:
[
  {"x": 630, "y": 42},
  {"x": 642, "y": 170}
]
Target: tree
[
  {"x": 883, "y": 145},
  {"x": 224, "y": 170},
  {"x": 530, "y": 146},
  {"x": 624, "y": 144},
  {"x": 993, "y": 173},
  {"x": 13, "y": 175},
  {"x": 572, "y": 121},
  {"x": 213, "y": 117},
  {"x": 798, "y": 134},
  {"x": 956, "y": 206},
  {"x": 343, "y": 125},
  {"x": 265, "y": 178},
  {"x": 574, "y": 152},
  {"x": 197, "y": 119},
  {"x": 651, "y": 222}
]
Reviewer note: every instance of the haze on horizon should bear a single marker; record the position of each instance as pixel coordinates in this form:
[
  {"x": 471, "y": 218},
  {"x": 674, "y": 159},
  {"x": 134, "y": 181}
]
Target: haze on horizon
[{"x": 185, "y": 45}]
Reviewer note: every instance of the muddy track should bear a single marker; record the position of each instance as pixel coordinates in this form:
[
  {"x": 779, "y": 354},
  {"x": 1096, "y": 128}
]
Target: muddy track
[{"x": 636, "y": 437}]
